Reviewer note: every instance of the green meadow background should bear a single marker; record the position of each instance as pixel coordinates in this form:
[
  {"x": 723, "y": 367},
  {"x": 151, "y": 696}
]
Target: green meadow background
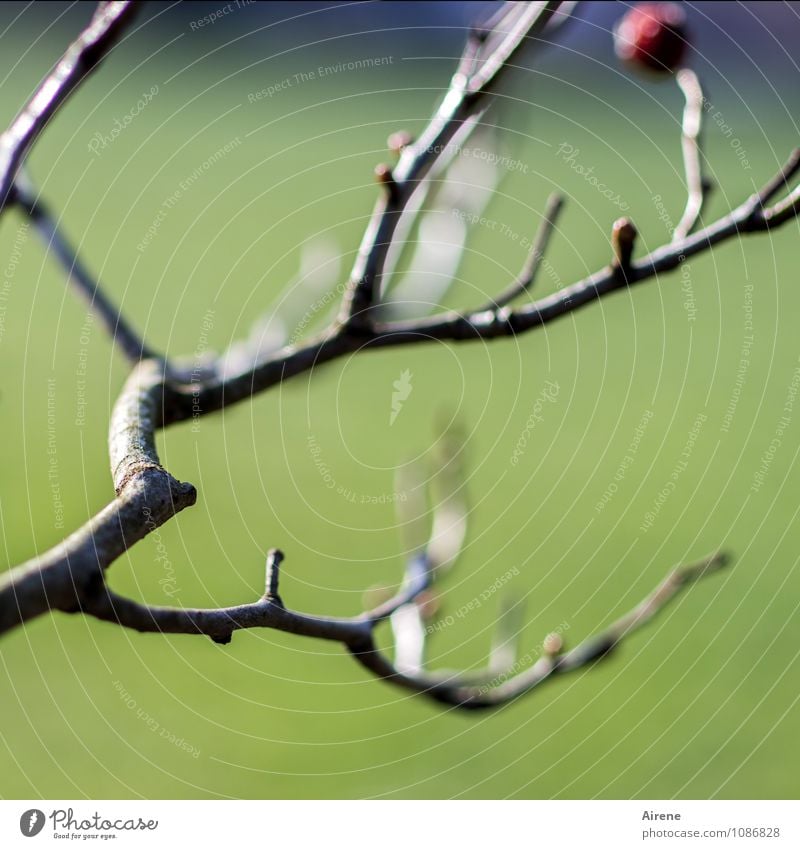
[{"x": 702, "y": 703}]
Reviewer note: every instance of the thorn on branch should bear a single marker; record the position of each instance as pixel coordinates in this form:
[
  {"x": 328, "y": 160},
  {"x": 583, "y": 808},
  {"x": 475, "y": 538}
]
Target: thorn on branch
[
  {"x": 623, "y": 239},
  {"x": 552, "y": 645},
  {"x": 384, "y": 176},
  {"x": 274, "y": 560}
]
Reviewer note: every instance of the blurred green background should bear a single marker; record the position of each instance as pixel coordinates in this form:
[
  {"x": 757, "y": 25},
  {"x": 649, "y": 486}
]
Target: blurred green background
[{"x": 703, "y": 703}]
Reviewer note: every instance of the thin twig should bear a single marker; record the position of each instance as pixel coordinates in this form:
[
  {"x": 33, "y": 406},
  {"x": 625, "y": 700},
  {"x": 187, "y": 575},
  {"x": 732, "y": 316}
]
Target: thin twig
[
  {"x": 691, "y": 128},
  {"x": 527, "y": 276},
  {"x": 31, "y": 204},
  {"x": 780, "y": 182},
  {"x": 788, "y": 208}
]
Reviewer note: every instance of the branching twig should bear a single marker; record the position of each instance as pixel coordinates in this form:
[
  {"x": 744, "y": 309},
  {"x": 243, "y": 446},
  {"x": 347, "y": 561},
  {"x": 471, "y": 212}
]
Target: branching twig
[
  {"x": 71, "y": 577},
  {"x": 526, "y": 20},
  {"x": 499, "y": 688},
  {"x": 750, "y": 217}
]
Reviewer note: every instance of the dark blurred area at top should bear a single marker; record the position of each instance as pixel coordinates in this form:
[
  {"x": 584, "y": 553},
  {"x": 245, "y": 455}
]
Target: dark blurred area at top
[{"x": 742, "y": 38}]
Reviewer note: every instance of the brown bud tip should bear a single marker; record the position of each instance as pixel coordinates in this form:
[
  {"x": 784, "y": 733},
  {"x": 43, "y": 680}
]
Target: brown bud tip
[
  {"x": 428, "y": 605},
  {"x": 623, "y": 237},
  {"x": 398, "y": 141},
  {"x": 383, "y": 174},
  {"x": 652, "y": 37},
  {"x": 624, "y": 232},
  {"x": 552, "y": 645}
]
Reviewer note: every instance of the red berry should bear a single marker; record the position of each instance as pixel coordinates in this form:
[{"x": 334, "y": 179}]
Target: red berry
[{"x": 652, "y": 36}]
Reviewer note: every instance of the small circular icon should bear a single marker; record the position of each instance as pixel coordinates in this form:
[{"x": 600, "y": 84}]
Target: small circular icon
[{"x": 31, "y": 822}]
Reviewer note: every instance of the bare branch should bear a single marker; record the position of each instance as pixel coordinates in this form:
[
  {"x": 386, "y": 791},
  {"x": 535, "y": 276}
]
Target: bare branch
[
  {"x": 71, "y": 577},
  {"x": 220, "y": 623}
]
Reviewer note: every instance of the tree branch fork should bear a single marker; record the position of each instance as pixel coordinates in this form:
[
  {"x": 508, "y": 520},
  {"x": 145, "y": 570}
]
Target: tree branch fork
[{"x": 71, "y": 577}]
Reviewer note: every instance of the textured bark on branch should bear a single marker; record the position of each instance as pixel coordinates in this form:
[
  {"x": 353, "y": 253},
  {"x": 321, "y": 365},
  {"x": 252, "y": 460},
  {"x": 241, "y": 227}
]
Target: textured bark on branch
[{"x": 71, "y": 577}]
